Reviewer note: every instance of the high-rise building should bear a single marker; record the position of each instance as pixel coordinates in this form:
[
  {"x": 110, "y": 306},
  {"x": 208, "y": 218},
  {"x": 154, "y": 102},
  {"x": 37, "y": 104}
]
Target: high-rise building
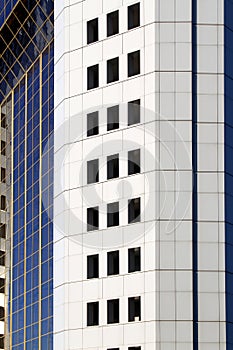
[
  {"x": 116, "y": 174},
  {"x": 26, "y": 98}
]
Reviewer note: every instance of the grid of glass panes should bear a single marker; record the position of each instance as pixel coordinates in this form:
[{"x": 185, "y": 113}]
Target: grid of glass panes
[
  {"x": 32, "y": 281},
  {"x": 5, "y": 9},
  {"x": 27, "y": 31}
]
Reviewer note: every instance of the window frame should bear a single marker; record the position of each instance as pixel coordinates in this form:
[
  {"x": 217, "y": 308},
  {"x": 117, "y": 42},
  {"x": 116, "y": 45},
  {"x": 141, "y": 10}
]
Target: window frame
[{"x": 89, "y": 24}]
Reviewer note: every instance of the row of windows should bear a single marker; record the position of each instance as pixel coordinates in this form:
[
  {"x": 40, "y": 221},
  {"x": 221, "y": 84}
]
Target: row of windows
[
  {"x": 113, "y": 166},
  {"x": 134, "y": 210},
  {"x": 134, "y": 116},
  {"x": 113, "y": 23},
  {"x": 134, "y": 263},
  {"x": 113, "y": 70},
  {"x": 113, "y": 312}
]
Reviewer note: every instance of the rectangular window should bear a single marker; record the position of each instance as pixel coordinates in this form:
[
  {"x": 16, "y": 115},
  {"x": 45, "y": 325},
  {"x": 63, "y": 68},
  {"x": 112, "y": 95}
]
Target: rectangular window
[
  {"x": 113, "y": 311},
  {"x": 2, "y": 313},
  {"x": 2, "y": 285},
  {"x": 93, "y": 77},
  {"x": 134, "y": 112},
  {"x": 134, "y": 311},
  {"x": 113, "y": 214},
  {"x": 134, "y": 348},
  {"x": 113, "y": 263},
  {"x": 113, "y": 23},
  {"x": 113, "y": 70},
  {"x": 2, "y": 258},
  {"x": 3, "y": 202},
  {"x": 93, "y": 171},
  {"x": 2, "y": 231},
  {"x": 134, "y": 162},
  {"x": 1, "y": 342},
  {"x": 133, "y": 63},
  {"x": 3, "y": 120},
  {"x": 3, "y": 148},
  {"x": 134, "y": 16},
  {"x": 113, "y": 166},
  {"x": 134, "y": 210},
  {"x": 92, "y": 31},
  {"x": 92, "y": 123},
  {"x": 3, "y": 175},
  {"x": 93, "y": 266},
  {"x": 92, "y": 219},
  {"x": 134, "y": 259},
  {"x": 113, "y": 118},
  {"x": 93, "y": 314}
]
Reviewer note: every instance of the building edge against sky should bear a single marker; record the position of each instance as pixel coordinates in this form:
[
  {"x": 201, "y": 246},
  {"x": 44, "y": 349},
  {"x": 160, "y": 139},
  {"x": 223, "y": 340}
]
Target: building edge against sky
[{"x": 26, "y": 94}]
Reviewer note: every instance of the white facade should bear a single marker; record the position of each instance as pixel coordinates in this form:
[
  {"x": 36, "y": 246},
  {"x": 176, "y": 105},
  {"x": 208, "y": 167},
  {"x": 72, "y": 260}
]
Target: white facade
[{"x": 164, "y": 184}]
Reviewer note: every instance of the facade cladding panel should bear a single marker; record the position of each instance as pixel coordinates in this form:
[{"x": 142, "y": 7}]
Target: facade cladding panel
[{"x": 27, "y": 85}]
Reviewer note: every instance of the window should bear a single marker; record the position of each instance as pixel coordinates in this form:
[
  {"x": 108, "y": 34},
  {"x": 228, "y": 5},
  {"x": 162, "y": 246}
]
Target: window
[
  {"x": 113, "y": 311},
  {"x": 113, "y": 349},
  {"x": 133, "y": 63},
  {"x": 134, "y": 259},
  {"x": 92, "y": 31},
  {"x": 113, "y": 263},
  {"x": 113, "y": 23},
  {"x": 113, "y": 166},
  {"x": 3, "y": 120},
  {"x": 2, "y": 313},
  {"x": 93, "y": 171},
  {"x": 93, "y": 77},
  {"x": 134, "y": 16},
  {"x": 113, "y": 214},
  {"x": 134, "y": 210},
  {"x": 2, "y": 285},
  {"x": 134, "y": 112},
  {"x": 93, "y": 314},
  {"x": 2, "y": 231},
  {"x": 2, "y": 342},
  {"x": 134, "y": 305},
  {"x": 3, "y": 148},
  {"x": 92, "y": 124},
  {"x": 134, "y": 348},
  {"x": 113, "y": 70},
  {"x": 3, "y": 175},
  {"x": 134, "y": 162},
  {"x": 2, "y": 258},
  {"x": 92, "y": 219},
  {"x": 93, "y": 266},
  {"x": 3, "y": 203},
  {"x": 113, "y": 118}
]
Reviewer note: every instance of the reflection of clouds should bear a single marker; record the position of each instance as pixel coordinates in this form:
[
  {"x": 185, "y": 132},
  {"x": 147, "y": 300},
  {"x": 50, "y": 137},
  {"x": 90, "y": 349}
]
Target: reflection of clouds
[{"x": 160, "y": 184}]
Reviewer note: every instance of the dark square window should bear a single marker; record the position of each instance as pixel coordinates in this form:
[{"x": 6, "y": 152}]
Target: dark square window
[
  {"x": 92, "y": 123},
  {"x": 3, "y": 202},
  {"x": 93, "y": 266},
  {"x": 2, "y": 285},
  {"x": 133, "y": 63},
  {"x": 3, "y": 175},
  {"x": 134, "y": 162},
  {"x": 93, "y": 77},
  {"x": 3, "y": 120},
  {"x": 93, "y": 171},
  {"x": 134, "y": 259},
  {"x": 113, "y": 214},
  {"x": 113, "y": 166},
  {"x": 92, "y": 219},
  {"x": 2, "y": 258},
  {"x": 93, "y": 314},
  {"x": 92, "y": 31},
  {"x": 113, "y": 70},
  {"x": 3, "y": 148},
  {"x": 113, "y": 311},
  {"x": 113, "y": 263},
  {"x": 134, "y": 16},
  {"x": 2, "y": 231},
  {"x": 134, "y": 348},
  {"x": 134, "y": 210},
  {"x": 134, "y": 311},
  {"x": 113, "y": 23},
  {"x": 134, "y": 112},
  {"x": 113, "y": 118}
]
